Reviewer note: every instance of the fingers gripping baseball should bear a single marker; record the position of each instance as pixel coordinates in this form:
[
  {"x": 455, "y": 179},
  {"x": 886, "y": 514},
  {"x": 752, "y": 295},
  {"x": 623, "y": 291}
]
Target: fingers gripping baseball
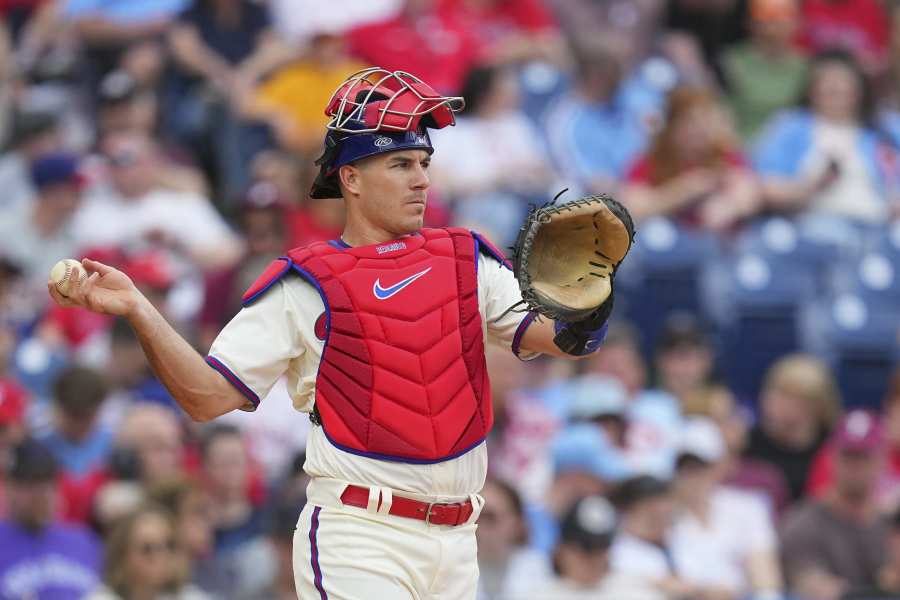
[{"x": 92, "y": 285}]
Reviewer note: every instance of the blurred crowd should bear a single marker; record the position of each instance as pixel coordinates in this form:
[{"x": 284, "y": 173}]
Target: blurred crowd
[{"x": 737, "y": 436}]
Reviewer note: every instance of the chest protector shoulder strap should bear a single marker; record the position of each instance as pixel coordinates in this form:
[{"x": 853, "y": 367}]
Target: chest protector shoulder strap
[{"x": 403, "y": 374}]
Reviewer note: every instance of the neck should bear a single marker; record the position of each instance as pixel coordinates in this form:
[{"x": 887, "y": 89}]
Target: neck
[
  {"x": 593, "y": 96},
  {"x": 362, "y": 233},
  {"x": 796, "y": 438},
  {"x": 697, "y": 506},
  {"x": 772, "y": 49},
  {"x": 856, "y": 509},
  {"x": 840, "y": 119},
  {"x": 138, "y": 592},
  {"x": 641, "y": 530}
]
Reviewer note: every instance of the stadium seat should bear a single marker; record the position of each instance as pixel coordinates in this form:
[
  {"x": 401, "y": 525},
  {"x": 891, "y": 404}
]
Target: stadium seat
[
  {"x": 780, "y": 239},
  {"x": 765, "y": 297},
  {"x": 663, "y": 275},
  {"x": 861, "y": 344}
]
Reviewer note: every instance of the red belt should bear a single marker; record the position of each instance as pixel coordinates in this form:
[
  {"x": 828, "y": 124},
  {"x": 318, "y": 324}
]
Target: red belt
[{"x": 433, "y": 513}]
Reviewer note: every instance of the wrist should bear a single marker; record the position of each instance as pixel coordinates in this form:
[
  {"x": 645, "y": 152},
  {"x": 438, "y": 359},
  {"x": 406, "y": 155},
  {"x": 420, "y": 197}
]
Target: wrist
[
  {"x": 138, "y": 309},
  {"x": 584, "y": 337},
  {"x": 576, "y": 339}
]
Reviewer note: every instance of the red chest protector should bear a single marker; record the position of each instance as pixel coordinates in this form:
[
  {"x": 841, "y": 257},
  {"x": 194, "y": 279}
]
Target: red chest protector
[{"x": 403, "y": 374}]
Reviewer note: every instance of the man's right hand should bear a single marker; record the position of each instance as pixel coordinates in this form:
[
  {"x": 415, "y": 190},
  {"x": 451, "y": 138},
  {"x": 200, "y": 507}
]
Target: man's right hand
[{"x": 106, "y": 290}]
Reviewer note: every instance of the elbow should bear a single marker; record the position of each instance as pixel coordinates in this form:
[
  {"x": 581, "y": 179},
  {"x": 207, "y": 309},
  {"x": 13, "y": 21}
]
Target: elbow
[
  {"x": 200, "y": 414},
  {"x": 197, "y": 417}
]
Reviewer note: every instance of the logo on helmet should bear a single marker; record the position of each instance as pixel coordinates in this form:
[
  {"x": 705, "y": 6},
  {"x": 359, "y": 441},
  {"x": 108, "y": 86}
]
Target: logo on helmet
[{"x": 383, "y": 141}]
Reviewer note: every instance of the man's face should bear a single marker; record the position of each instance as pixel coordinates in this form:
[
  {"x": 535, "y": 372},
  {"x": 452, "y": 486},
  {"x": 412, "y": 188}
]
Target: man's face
[
  {"x": 856, "y": 473},
  {"x": 696, "y": 479},
  {"x": 585, "y": 568},
  {"x": 131, "y": 166},
  {"x": 264, "y": 231},
  {"x": 622, "y": 362},
  {"x": 65, "y": 198},
  {"x": 31, "y": 503},
  {"x": 77, "y": 426},
  {"x": 685, "y": 367},
  {"x": 226, "y": 465},
  {"x": 392, "y": 190},
  {"x": 651, "y": 518}
]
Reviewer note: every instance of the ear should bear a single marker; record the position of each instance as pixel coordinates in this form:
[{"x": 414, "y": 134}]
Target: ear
[{"x": 348, "y": 175}]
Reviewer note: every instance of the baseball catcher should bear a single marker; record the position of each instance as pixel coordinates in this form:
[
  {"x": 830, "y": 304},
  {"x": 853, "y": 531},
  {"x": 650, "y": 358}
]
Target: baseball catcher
[{"x": 380, "y": 337}]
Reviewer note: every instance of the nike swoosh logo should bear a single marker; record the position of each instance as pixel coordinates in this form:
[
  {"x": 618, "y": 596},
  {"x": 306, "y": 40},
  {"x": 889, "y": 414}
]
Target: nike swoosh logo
[{"x": 385, "y": 293}]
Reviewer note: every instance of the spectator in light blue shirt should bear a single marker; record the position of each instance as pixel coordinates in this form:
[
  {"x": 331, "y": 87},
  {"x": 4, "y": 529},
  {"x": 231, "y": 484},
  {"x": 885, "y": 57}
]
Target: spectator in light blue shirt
[
  {"x": 825, "y": 159},
  {"x": 117, "y": 33},
  {"x": 600, "y": 126},
  {"x": 124, "y": 12},
  {"x": 76, "y": 439}
]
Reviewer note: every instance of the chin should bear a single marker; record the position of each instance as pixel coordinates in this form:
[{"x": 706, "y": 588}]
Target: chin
[
  {"x": 412, "y": 227},
  {"x": 413, "y": 224}
]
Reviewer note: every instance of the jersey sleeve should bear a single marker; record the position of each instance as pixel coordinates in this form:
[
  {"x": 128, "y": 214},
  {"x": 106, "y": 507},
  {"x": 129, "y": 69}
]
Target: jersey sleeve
[
  {"x": 256, "y": 347},
  {"x": 498, "y": 290}
]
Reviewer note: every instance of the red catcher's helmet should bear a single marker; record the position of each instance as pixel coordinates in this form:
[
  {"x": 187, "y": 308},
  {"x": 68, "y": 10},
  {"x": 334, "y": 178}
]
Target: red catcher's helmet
[
  {"x": 376, "y": 111},
  {"x": 376, "y": 99}
]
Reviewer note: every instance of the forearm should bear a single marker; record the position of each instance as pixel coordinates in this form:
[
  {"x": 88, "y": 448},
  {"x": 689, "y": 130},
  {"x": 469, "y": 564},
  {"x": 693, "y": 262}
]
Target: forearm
[
  {"x": 764, "y": 572},
  {"x": 645, "y": 202},
  {"x": 817, "y": 583},
  {"x": 270, "y": 54},
  {"x": 540, "y": 338},
  {"x": 786, "y": 194},
  {"x": 221, "y": 255},
  {"x": 43, "y": 29},
  {"x": 200, "y": 390},
  {"x": 96, "y": 30},
  {"x": 193, "y": 55},
  {"x": 746, "y": 194}
]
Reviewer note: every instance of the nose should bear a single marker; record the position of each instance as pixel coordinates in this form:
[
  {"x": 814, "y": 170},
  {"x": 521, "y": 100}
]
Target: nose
[{"x": 420, "y": 180}]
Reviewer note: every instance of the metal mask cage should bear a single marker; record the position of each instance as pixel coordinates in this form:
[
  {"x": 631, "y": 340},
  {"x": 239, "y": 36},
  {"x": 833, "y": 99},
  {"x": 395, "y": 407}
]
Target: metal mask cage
[{"x": 376, "y": 99}]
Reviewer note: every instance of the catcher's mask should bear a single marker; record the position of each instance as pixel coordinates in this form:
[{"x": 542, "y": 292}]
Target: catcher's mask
[{"x": 376, "y": 111}]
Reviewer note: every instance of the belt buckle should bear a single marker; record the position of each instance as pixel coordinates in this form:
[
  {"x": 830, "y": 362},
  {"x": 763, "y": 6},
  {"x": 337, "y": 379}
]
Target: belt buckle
[{"x": 428, "y": 513}]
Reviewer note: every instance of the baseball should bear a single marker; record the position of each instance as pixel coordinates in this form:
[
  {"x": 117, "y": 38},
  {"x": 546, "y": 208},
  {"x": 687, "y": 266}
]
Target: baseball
[{"x": 64, "y": 273}]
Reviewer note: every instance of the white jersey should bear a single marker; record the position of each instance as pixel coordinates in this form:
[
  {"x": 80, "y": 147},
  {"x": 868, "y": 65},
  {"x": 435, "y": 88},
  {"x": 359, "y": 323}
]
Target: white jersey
[{"x": 275, "y": 336}]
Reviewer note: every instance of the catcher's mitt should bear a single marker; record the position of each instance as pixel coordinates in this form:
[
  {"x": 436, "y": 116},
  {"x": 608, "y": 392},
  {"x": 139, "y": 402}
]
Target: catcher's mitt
[{"x": 566, "y": 255}]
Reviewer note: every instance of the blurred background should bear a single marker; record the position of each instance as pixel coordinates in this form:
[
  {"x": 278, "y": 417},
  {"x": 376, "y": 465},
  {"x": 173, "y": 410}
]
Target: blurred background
[{"x": 737, "y": 436}]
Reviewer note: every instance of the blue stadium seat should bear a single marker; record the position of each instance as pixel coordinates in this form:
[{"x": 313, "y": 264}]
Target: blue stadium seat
[
  {"x": 539, "y": 83},
  {"x": 862, "y": 347},
  {"x": 876, "y": 278},
  {"x": 779, "y": 239},
  {"x": 765, "y": 299},
  {"x": 662, "y": 275}
]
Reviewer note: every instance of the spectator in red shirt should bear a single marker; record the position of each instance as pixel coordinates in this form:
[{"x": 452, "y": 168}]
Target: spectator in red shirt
[
  {"x": 307, "y": 220},
  {"x": 887, "y": 491},
  {"x": 859, "y": 26},
  {"x": 693, "y": 172},
  {"x": 13, "y": 398},
  {"x": 423, "y": 40},
  {"x": 514, "y": 30},
  {"x": 13, "y": 402}
]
